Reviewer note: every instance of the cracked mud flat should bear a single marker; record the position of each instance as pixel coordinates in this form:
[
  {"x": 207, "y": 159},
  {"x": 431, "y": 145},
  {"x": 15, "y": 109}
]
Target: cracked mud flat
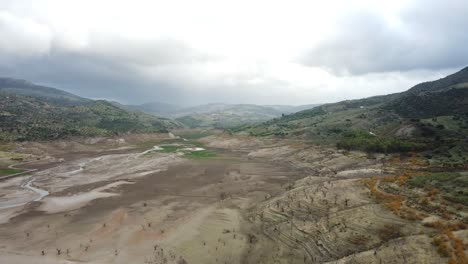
[{"x": 124, "y": 207}]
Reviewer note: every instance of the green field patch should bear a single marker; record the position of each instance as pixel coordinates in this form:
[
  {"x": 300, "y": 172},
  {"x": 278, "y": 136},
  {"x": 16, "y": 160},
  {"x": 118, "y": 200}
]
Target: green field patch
[
  {"x": 201, "y": 154},
  {"x": 8, "y": 171},
  {"x": 169, "y": 148}
]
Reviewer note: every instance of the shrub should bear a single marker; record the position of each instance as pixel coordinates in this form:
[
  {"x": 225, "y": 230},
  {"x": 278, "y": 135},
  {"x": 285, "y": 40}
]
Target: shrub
[
  {"x": 436, "y": 224},
  {"x": 442, "y": 246},
  {"x": 389, "y": 231}
]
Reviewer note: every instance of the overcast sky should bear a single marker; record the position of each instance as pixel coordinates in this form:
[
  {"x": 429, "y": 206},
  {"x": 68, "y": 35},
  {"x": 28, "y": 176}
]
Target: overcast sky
[{"x": 263, "y": 52}]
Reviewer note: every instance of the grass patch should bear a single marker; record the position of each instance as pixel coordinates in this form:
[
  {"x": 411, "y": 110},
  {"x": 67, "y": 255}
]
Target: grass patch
[
  {"x": 202, "y": 154},
  {"x": 148, "y": 144},
  {"x": 169, "y": 148},
  {"x": 8, "y": 171},
  {"x": 194, "y": 143}
]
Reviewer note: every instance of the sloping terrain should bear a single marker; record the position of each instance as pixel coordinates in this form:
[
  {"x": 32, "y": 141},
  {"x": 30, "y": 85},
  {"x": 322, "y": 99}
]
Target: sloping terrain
[
  {"x": 51, "y": 95},
  {"x": 355, "y": 208},
  {"x": 218, "y": 115},
  {"x": 221, "y": 115},
  {"x": 157, "y": 108},
  {"x": 225, "y": 115},
  {"x": 432, "y": 115},
  {"x": 30, "y": 112}
]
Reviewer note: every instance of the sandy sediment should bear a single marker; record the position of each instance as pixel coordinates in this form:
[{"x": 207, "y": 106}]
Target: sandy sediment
[
  {"x": 58, "y": 204},
  {"x": 258, "y": 201}
]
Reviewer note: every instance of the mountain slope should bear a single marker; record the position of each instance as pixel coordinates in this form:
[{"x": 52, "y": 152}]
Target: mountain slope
[
  {"x": 432, "y": 115},
  {"x": 289, "y": 109},
  {"x": 218, "y": 114},
  {"x": 157, "y": 108},
  {"x": 458, "y": 79},
  {"x": 23, "y": 87},
  {"x": 225, "y": 115},
  {"x": 30, "y": 112}
]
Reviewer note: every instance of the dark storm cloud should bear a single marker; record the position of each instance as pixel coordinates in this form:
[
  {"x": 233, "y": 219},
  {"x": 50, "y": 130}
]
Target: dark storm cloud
[
  {"x": 109, "y": 67},
  {"x": 426, "y": 35},
  {"x": 89, "y": 76}
]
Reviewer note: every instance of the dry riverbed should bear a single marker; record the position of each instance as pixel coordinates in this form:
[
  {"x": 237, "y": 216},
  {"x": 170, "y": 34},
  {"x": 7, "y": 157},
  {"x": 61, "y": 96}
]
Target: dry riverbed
[{"x": 243, "y": 200}]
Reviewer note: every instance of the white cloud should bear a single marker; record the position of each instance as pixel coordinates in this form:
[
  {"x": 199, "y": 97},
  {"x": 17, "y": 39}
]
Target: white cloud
[
  {"x": 423, "y": 35},
  {"x": 22, "y": 36},
  {"x": 236, "y": 51}
]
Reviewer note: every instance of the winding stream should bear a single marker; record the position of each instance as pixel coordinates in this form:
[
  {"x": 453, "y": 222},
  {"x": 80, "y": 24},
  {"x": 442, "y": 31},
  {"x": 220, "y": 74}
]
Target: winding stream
[
  {"x": 43, "y": 193},
  {"x": 28, "y": 185}
]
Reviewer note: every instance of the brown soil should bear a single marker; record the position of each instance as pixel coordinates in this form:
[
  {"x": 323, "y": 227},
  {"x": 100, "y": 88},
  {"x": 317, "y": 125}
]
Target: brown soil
[{"x": 258, "y": 201}]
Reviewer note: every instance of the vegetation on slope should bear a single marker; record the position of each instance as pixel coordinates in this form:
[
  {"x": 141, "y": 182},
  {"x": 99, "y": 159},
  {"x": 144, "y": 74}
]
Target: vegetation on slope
[
  {"x": 431, "y": 117},
  {"x": 33, "y": 117},
  {"x": 453, "y": 185},
  {"x": 226, "y": 116},
  {"x": 362, "y": 140},
  {"x": 417, "y": 195},
  {"x": 43, "y": 93}
]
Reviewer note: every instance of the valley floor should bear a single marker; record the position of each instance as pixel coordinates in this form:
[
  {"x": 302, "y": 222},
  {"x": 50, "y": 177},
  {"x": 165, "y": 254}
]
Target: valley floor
[{"x": 249, "y": 201}]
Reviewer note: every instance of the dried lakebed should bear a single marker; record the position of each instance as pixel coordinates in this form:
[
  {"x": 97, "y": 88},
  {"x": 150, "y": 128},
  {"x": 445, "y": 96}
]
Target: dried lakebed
[
  {"x": 254, "y": 202},
  {"x": 127, "y": 203}
]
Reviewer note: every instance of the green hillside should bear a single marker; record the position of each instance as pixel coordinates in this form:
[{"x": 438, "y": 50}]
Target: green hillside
[
  {"x": 225, "y": 115},
  {"x": 48, "y": 94},
  {"x": 157, "y": 109},
  {"x": 431, "y": 116},
  {"x": 34, "y": 112},
  {"x": 218, "y": 115}
]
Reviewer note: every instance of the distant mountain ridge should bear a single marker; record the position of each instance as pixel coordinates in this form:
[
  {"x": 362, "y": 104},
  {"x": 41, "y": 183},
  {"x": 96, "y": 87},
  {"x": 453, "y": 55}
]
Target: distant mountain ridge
[
  {"x": 34, "y": 112},
  {"x": 219, "y": 115},
  {"x": 157, "y": 108},
  {"x": 225, "y": 115}
]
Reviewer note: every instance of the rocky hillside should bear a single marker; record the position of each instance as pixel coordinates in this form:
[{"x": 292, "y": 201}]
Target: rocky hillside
[{"x": 31, "y": 112}]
